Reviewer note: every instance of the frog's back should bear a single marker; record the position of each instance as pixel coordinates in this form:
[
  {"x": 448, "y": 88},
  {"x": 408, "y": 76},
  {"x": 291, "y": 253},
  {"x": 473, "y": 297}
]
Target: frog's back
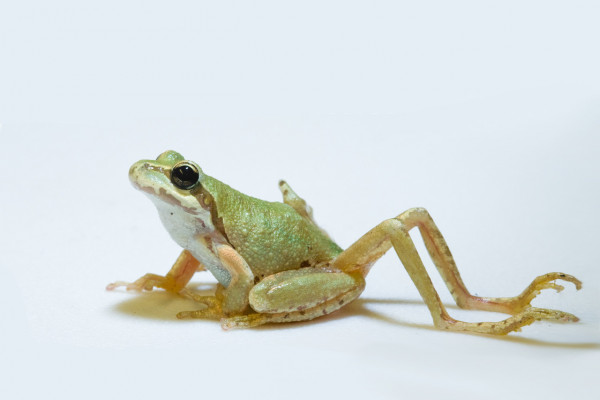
[{"x": 271, "y": 236}]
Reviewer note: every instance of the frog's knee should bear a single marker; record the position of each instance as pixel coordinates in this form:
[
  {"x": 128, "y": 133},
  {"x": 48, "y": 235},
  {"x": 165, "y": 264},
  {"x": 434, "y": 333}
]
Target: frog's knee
[
  {"x": 233, "y": 300},
  {"x": 392, "y": 226},
  {"x": 299, "y": 290}
]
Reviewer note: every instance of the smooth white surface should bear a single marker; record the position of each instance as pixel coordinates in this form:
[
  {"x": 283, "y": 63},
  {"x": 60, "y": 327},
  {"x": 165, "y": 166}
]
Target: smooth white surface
[{"x": 486, "y": 114}]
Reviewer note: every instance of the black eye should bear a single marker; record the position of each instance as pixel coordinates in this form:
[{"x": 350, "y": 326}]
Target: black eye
[{"x": 184, "y": 175}]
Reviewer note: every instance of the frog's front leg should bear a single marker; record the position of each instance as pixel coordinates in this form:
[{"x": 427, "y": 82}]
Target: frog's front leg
[
  {"x": 230, "y": 300},
  {"x": 176, "y": 279},
  {"x": 298, "y": 295}
]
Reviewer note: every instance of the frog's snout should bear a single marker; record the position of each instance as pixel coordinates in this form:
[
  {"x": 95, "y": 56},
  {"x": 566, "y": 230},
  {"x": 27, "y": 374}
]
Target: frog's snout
[
  {"x": 137, "y": 171},
  {"x": 134, "y": 172},
  {"x": 148, "y": 176}
]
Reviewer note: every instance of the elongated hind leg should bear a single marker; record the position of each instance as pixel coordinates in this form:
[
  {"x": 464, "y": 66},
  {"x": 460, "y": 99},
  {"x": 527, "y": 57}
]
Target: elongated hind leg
[
  {"x": 394, "y": 232},
  {"x": 443, "y": 260}
]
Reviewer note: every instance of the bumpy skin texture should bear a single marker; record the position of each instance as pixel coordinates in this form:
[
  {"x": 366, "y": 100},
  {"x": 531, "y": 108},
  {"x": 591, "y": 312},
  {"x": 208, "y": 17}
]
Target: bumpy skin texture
[
  {"x": 274, "y": 264},
  {"x": 270, "y": 236}
]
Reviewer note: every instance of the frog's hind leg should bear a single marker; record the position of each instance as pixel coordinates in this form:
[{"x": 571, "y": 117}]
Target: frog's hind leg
[
  {"x": 394, "y": 233},
  {"x": 289, "y": 296},
  {"x": 442, "y": 257}
]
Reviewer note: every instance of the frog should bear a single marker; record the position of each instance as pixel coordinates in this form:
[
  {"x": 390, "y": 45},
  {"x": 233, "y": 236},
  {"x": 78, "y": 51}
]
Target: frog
[{"x": 274, "y": 264}]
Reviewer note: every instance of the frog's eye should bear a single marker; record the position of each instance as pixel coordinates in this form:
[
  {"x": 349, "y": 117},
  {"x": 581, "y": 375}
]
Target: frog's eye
[{"x": 185, "y": 175}]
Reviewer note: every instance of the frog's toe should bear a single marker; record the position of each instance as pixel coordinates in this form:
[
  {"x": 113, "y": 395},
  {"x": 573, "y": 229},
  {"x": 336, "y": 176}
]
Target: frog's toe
[
  {"x": 209, "y": 301},
  {"x": 244, "y": 321},
  {"x": 512, "y": 324},
  {"x": 114, "y": 285},
  {"x": 547, "y": 281},
  {"x": 542, "y": 282},
  {"x": 212, "y": 311},
  {"x": 129, "y": 286},
  {"x": 551, "y": 315},
  {"x": 207, "y": 313}
]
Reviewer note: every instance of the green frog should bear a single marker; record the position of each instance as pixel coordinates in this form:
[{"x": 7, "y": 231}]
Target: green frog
[{"x": 274, "y": 264}]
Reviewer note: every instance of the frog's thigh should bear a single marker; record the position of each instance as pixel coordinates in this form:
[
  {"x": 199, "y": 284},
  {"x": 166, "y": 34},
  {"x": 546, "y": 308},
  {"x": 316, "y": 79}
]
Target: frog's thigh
[{"x": 303, "y": 289}]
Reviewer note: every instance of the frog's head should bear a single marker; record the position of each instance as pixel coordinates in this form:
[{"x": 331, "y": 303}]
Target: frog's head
[
  {"x": 173, "y": 185},
  {"x": 169, "y": 179}
]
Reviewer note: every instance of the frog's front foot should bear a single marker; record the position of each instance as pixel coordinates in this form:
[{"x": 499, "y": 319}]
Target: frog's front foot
[
  {"x": 146, "y": 282},
  {"x": 213, "y": 308}
]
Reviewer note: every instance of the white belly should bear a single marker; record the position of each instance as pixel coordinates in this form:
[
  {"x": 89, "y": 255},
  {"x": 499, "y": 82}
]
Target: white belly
[{"x": 193, "y": 232}]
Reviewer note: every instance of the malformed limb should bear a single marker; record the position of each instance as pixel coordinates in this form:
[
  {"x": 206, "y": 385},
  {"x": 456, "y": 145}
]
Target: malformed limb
[
  {"x": 443, "y": 260},
  {"x": 394, "y": 232},
  {"x": 298, "y": 203},
  {"x": 176, "y": 279}
]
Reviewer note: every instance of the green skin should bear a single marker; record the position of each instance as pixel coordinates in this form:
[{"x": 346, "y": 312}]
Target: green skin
[
  {"x": 271, "y": 236},
  {"x": 242, "y": 240}
]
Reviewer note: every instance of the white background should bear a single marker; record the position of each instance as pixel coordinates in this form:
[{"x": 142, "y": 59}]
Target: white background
[{"x": 484, "y": 112}]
